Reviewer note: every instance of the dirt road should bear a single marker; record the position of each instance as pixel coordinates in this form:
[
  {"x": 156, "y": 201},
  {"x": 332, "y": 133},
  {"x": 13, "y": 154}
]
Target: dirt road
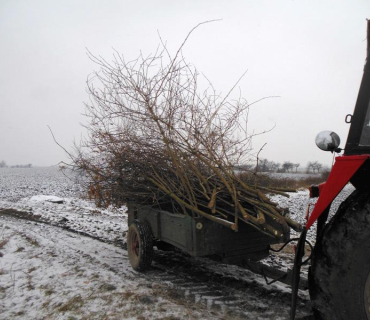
[{"x": 47, "y": 272}]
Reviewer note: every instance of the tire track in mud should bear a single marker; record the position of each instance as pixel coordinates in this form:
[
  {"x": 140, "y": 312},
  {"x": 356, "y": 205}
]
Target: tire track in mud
[
  {"x": 44, "y": 234},
  {"x": 29, "y": 216},
  {"x": 236, "y": 294}
]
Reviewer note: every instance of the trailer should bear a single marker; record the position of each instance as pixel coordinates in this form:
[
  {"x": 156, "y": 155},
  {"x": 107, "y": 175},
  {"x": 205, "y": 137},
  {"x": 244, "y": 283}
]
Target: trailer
[{"x": 199, "y": 237}]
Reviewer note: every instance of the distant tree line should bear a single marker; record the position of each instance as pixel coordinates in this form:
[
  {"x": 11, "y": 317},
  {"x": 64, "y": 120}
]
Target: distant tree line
[
  {"x": 4, "y": 165},
  {"x": 265, "y": 165},
  {"x": 22, "y": 166},
  {"x": 314, "y": 166}
]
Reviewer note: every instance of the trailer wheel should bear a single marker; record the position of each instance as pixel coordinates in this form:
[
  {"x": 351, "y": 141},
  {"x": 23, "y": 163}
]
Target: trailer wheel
[
  {"x": 140, "y": 245},
  {"x": 340, "y": 273}
]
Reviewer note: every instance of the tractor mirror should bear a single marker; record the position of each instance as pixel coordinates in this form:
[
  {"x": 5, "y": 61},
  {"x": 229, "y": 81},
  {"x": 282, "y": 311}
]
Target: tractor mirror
[{"x": 327, "y": 141}]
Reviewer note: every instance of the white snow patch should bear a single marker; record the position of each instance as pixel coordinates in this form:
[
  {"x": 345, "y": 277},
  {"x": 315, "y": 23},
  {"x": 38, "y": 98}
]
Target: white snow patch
[{"x": 41, "y": 198}]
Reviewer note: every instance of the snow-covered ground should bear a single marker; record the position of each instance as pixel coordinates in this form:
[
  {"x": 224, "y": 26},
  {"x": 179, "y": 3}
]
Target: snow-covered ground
[
  {"x": 63, "y": 258},
  {"x": 49, "y": 273},
  {"x": 292, "y": 175},
  {"x": 36, "y": 191}
]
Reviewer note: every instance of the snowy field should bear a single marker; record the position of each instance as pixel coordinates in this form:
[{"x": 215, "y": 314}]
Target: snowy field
[
  {"x": 63, "y": 258},
  {"x": 293, "y": 175}
]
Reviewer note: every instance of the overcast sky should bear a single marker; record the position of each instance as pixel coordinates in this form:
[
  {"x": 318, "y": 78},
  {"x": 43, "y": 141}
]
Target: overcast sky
[{"x": 309, "y": 53}]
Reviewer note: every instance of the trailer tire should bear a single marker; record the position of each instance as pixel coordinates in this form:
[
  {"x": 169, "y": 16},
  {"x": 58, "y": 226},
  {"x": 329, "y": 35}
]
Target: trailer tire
[
  {"x": 140, "y": 245},
  {"x": 339, "y": 277}
]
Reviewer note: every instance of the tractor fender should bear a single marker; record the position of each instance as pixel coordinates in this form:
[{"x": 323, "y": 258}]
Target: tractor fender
[{"x": 344, "y": 170}]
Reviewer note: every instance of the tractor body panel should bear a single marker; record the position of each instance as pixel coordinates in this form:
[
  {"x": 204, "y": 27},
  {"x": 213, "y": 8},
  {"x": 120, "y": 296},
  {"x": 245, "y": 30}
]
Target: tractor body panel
[{"x": 345, "y": 169}]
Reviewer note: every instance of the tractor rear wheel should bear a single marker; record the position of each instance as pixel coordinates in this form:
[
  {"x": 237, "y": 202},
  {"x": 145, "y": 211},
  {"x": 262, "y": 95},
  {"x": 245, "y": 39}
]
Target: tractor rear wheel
[
  {"x": 140, "y": 245},
  {"x": 340, "y": 273}
]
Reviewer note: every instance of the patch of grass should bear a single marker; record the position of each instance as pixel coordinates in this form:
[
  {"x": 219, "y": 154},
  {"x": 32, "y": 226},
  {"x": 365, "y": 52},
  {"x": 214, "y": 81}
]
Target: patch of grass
[
  {"x": 79, "y": 271},
  {"x": 49, "y": 292},
  {"x": 72, "y": 304},
  {"x": 52, "y": 253},
  {"x": 20, "y": 249},
  {"x": 128, "y": 294},
  {"x": 31, "y": 269},
  {"x": 107, "y": 287},
  {"x": 108, "y": 299},
  {"x": 30, "y": 286},
  {"x": 68, "y": 273},
  {"x": 32, "y": 241},
  {"x": 3, "y": 243},
  {"x": 162, "y": 306}
]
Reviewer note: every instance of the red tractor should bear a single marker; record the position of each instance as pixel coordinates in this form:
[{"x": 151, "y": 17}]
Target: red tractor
[{"x": 339, "y": 278}]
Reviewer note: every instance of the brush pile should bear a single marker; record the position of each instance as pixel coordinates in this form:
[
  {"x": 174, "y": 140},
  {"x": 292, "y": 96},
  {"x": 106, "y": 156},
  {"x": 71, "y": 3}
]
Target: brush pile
[{"x": 155, "y": 139}]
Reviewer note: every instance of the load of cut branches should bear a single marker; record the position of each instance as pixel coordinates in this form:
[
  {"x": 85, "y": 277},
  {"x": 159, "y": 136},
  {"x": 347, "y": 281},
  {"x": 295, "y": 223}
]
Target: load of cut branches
[{"x": 155, "y": 138}]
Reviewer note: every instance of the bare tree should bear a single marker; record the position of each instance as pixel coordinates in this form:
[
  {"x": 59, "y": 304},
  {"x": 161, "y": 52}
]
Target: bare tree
[
  {"x": 264, "y": 165},
  {"x": 296, "y": 166},
  {"x": 315, "y": 166},
  {"x": 277, "y": 166},
  {"x": 287, "y": 165},
  {"x": 155, "y": 138},
  {"x": 3, "y": 164},
  {"x": 310, "y": 166}
]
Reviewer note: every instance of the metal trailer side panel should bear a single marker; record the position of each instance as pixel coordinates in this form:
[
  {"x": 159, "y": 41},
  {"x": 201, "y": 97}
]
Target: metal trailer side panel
[{"x": 202, "y": 237}]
